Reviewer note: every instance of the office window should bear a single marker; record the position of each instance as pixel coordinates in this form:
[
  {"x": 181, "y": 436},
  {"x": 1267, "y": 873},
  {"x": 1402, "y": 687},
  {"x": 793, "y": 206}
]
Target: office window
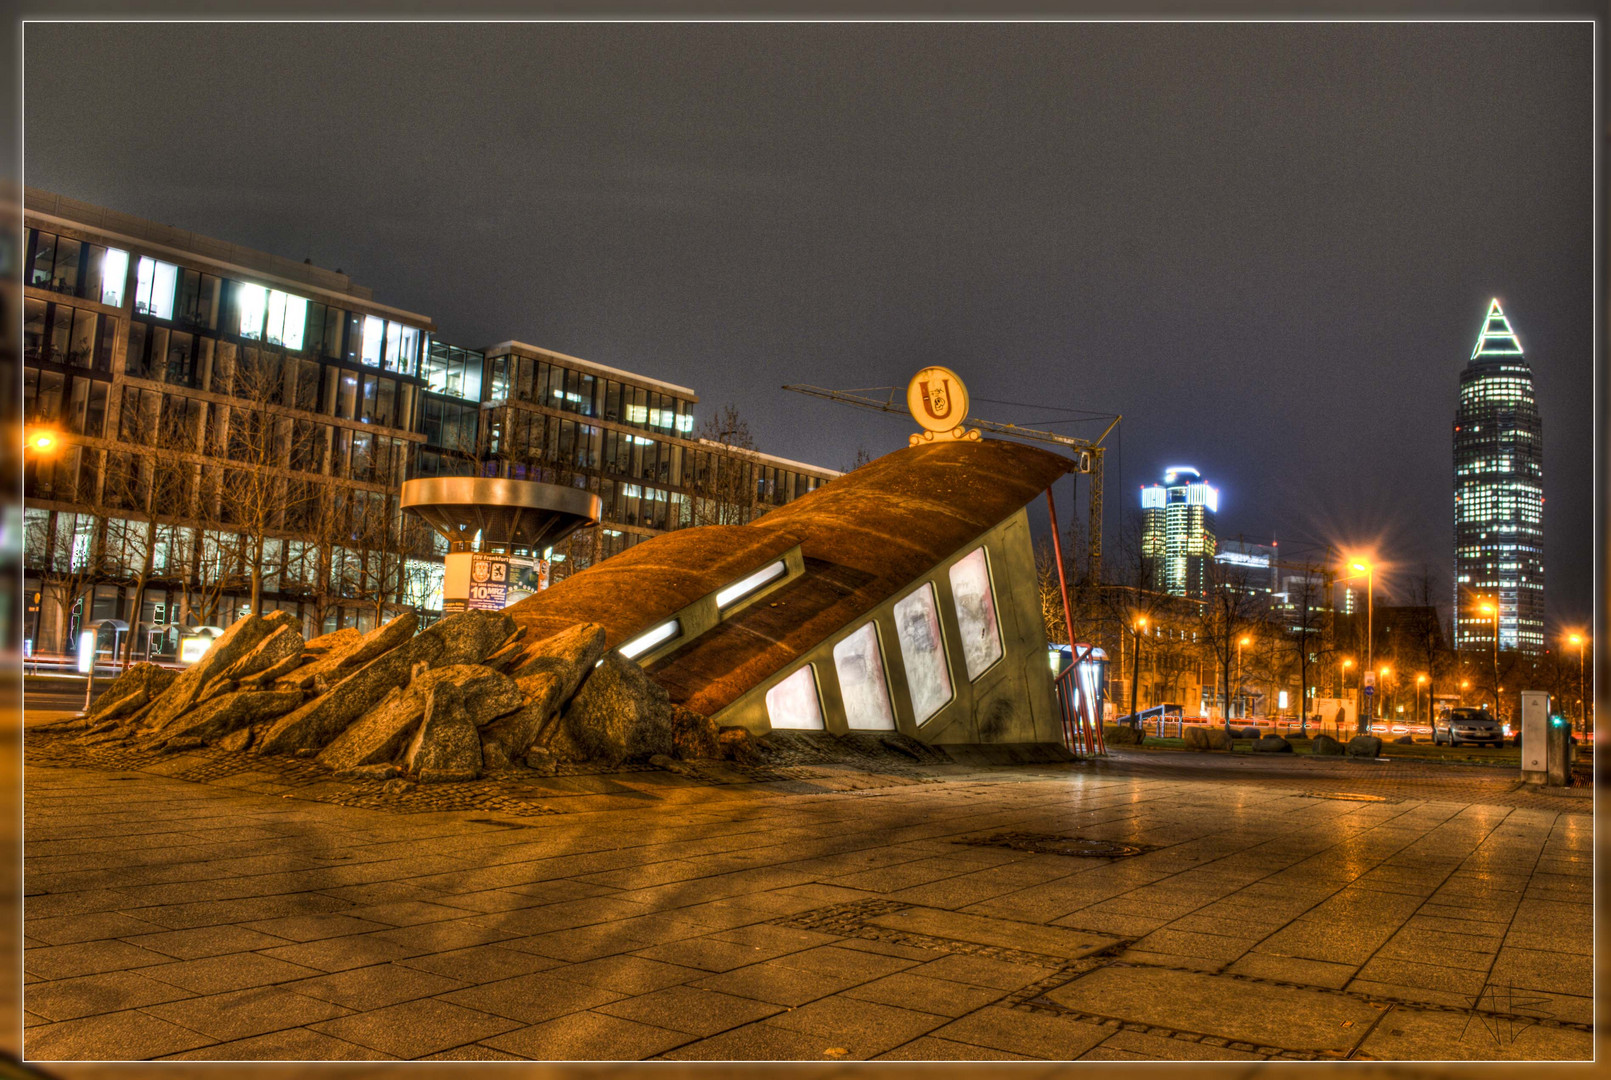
[
  {"x": 287, "y": 319},
  {"x": 333, "y": 319},
  {"x": 106, "y": 271},
  {"x": 976, "y": 612},
  {"x": 374, "y": 339},
  {"x": 155, "y": 283},
  {"x": 917, "y": 625},
  {"x": 42, "y": 276},
  {"x": 252, "y": 303},
  {"x": 33, "y": 330},
  {"x": 860, "y": 667},
  {"x": 793, "y": 703}
]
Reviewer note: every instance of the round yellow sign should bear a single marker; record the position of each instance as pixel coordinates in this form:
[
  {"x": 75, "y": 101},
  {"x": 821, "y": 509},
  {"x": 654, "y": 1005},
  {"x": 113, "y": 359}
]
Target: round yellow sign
[{"x": 937, "y": 399}]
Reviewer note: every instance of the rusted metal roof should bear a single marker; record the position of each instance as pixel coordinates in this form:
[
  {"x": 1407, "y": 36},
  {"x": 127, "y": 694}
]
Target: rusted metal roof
[{"x": 864, "y": 537}]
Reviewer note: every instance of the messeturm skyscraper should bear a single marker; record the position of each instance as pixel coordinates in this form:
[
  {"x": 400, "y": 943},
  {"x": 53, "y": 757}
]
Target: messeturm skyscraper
[{"x": 1498, "y": 496}]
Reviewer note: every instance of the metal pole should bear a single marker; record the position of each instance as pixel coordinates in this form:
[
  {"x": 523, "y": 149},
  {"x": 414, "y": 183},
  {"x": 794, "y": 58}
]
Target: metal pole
[
  {"x": 1068, "y": 619},
  {"x": 1582, "y": 702}
]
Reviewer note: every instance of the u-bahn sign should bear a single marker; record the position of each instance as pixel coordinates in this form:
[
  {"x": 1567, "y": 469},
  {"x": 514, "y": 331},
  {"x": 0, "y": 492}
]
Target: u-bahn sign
[{"x": 939, "y": 403}]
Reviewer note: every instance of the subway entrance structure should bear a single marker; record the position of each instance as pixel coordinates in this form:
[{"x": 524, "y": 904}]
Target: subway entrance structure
[
  {"x": 900, "y": 597},
  {"x": 487, "y": 521}
]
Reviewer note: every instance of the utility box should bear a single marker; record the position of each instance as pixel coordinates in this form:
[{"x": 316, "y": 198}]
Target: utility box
[
  {"x": 1559, "y": 751},
  {"x": 1535, "y": 736}
]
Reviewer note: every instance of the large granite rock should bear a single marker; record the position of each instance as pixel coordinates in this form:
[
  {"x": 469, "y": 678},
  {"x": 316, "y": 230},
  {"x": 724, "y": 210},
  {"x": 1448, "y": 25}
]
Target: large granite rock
[
  {"x": 548, "y": 673},
  {"x": 227, "y": 713},
  {"x": 347, "y": 650},
  {"x": 383, "y": 731},
  {"x": 465, "y": 638},
  {"x": 239, "y": 640},
  {"x": 1272, "y": 744},
  {"x": 1122, "y": 735},
  {"x": 129, "y": 692},
  {"x": 1364, "y": 746},
  {"x": 283, "y": 644},
  {"x": 1325, "y": 746},
  {"x": 694, "y": 734},
  {"x": 446, "y": 747},
  {"x": 619, "y": 711},
  {"x": 1207, "y": 738}
]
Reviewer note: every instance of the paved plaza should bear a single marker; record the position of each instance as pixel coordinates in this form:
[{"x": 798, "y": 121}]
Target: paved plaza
[{"x": 1156, "y": 905}]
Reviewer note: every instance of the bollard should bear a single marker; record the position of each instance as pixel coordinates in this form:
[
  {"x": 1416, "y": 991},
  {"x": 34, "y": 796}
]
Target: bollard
[{"x": 1559, "y": 752}]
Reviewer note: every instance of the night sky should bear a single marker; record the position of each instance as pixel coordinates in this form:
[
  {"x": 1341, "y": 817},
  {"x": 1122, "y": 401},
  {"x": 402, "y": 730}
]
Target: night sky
[{"x": 1269, "y": 246}]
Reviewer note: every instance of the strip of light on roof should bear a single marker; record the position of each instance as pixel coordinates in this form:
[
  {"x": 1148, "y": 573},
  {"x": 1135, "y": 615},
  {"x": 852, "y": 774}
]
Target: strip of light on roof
[
  {"x": 646, "y": 641},
  {"x": 740, "y": 589}
]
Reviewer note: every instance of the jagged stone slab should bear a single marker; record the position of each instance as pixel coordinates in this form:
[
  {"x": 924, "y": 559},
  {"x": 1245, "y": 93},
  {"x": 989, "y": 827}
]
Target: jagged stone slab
[
  {"x": 549, "y": 671},
  {"x": 283, "y": 644},
  {"x": 352, "y": 650},
  {"x": 230, "y": 712},
  {"x": 619, "y": 711},
  {"x": 459, "y": 639},
  {"x": 382, "y": 639},
  {"x": 381, "y": 733},
  {"x": 446, "y": 746},
  {"x": 129, "y": 692},
  {"x": 230, "y": 646}
]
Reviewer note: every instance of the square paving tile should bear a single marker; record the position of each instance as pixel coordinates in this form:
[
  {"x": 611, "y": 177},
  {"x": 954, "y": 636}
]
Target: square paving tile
[
  {"x": 117, "y": 1036},
  {"x": 1015, "y": 1031},
  {"x": 237, "y": 971},
  {"x": 374, "y": 987},
  {"x": 415, "y": 1028},
  {"x": 691, "y": 1009},
  {"x": 589, "y": 1036},
  {"x": 87, "y": 995},
  {"x": 534, "y": 998},
  {"x": 239, "y": 1014}
]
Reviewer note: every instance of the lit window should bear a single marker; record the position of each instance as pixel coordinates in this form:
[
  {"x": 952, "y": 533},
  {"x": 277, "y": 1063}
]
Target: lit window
[
  {"x": 645, "y": 642},
  {"x": 374, "y": 336},
  {"x": 154, "y": 288},
  {"x": 740, "y": 589},
  {"x": 253, "y": 301},
  {"x": 114, "y": 272},
  {"x": 917, "y": 625},
  {"x": 793, "y": 703},
  {"x": 860, "y": 667},
  {"x": 976, "y": 612}
]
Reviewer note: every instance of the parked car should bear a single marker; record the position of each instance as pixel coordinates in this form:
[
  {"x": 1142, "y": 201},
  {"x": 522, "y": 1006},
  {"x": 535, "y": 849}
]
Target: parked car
[{"x": 1467, "y": 726}]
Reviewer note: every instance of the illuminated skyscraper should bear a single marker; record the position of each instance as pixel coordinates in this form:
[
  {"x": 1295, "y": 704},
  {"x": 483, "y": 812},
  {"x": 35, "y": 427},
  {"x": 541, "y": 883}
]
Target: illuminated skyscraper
[
  {"x": 1498, "y": 495},
  {"x": 1177, "y": 537}
]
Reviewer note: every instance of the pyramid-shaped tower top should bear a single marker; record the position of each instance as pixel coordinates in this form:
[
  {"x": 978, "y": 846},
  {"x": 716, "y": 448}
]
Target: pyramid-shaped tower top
[{"x": 1497, "y": 338}]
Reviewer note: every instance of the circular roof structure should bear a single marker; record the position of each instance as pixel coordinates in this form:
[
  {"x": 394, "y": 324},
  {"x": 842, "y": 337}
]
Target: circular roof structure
[{"x": 503, "y": 513}]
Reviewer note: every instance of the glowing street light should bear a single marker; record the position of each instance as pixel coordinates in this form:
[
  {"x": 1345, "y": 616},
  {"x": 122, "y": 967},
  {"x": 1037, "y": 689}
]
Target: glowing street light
[
  {"x": 41, "y": 441},
  {"x": 1493, "y": 609},
  {"x": 1582, "y": 702},
  {"x": 1361, "y": 566},
  {"x": 1241, "y": 699},
  {"x": 1420, "y": 680}
]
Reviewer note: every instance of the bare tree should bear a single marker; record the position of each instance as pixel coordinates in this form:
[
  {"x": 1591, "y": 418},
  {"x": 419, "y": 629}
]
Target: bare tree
[
  {"x": 147, "y": 493},
  {"x": 723, "y": 490},
  {"x": 64, "y": 550},
  {"x": 1229, "y": 612},
  {"x": 1306, "y": 631}
]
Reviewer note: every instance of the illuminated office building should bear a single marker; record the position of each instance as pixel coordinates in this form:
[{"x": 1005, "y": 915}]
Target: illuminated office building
[
  {"x": 1177, "y": 537},
  {"x": 1498, "y": 495}
]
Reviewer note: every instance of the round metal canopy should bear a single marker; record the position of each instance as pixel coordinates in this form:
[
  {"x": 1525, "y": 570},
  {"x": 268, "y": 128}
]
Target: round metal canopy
[{"x": 505, "y": 513}]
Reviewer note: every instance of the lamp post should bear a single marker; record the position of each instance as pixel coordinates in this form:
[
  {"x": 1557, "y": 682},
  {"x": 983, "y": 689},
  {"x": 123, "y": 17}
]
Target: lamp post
[
  {"x": 1419, "y": 680},
  {"x": 1493, "y": 609},
  {"x": 1135, "y": 664},
  {"x": 1369, "y": 570},
  {"x": 1582, "y": 702},
  {"x": 1241, "y": 700},
  {"x": 1381, "y": 677},
  {"x": 39, "y": 443}
]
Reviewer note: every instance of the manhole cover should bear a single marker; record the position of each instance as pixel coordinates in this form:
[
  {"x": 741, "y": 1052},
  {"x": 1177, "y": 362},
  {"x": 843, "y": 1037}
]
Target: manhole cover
[
  {"x": 1049, "y": 844},
  {"x": 1347, "y": 796}
]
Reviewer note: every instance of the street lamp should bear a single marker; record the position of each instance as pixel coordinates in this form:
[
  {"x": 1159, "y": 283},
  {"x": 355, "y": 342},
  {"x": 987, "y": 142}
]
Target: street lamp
[
  {"x": 1582, "y": 703},
  {"x": 1381, "y": 677},
  {"x": 1369, "y": 570},
  {"x": 1419, "y": 680},
  {"x": 1493, "y": 609},
  {"x": 1135, "y": 663},
  {"x": 1241, "y": 700}
]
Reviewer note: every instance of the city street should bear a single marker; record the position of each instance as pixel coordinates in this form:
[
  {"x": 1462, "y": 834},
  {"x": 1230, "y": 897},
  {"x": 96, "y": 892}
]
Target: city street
[{"x": 1157, "y": 905}]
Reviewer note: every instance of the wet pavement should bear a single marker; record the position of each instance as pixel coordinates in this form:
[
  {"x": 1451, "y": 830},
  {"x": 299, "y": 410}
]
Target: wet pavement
[{"x": 1157, "y": 905}]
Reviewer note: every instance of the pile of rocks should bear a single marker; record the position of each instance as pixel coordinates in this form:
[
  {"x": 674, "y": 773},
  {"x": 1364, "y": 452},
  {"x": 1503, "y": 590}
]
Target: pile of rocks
[{"x": 466, "y": 695}]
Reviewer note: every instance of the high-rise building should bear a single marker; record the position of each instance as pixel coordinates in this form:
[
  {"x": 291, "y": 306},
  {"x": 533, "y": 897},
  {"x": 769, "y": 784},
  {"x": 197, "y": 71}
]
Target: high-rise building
[
  {"x": 1256, "y": 566},
  {"x": 1498, "y": 496},
  {"x": 1177, "y": 537}
]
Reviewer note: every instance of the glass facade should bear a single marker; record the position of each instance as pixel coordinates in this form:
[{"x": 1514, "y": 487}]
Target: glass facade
[
  {"x": 1178, "y": 531},
  {"x": 1498, "y": 495}
]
